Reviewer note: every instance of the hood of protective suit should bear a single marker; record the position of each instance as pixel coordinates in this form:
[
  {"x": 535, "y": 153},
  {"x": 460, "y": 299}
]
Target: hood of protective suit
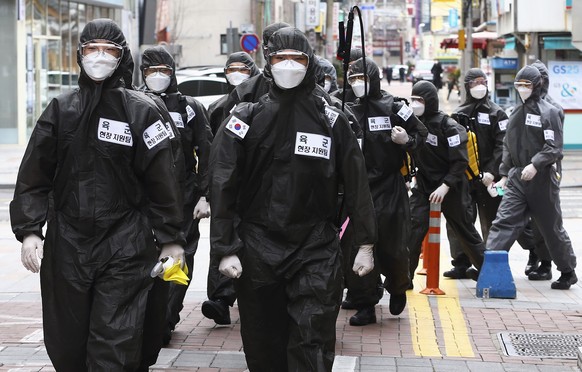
[
  {"x": 355, "y": 54},
  {"x": 545, "y": 74},
  {"x": 323, "y": 68},
  {"x": 158, "y": 55},
  {"x": 268, "y": 32},
  {"x": 292, "y": 38},
  {"x": 532, "y": 74},
  {"x": 244, "y": 58},
  {"x": 373, "y": 73},
  {"x": 429, "y": 93},
  {"x": 106, "y": 29},
  {"x": 473, "y": 74}
]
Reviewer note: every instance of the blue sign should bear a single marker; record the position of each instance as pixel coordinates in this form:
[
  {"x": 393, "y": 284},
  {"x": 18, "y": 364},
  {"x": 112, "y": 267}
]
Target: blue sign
[
  {"x": 504, "y": 63},
  {"x": 249, "y": 42},
  {"x": 453, "y": 18}
]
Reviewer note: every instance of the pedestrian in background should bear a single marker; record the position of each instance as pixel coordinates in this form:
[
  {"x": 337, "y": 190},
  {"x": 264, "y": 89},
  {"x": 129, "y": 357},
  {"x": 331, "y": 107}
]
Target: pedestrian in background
[
  {"x": 532, "y": 146},
  {"x": 402, "y": 74},
  {"x": 103, "y": 155},
  {"x": 390, "y": 130},
  {"x": 441, "y": 179},
  {"x": 437, "y": 70},
  {"x": 389, "y": 71},
  {"x": 190, "y": 118},
  {"x": 275, "y": 170}
]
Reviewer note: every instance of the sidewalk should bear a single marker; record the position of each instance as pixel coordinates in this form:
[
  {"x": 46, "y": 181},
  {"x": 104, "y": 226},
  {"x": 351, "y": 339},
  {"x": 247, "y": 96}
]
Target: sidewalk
[
  {"x": 452, "y": 332},
  {"x": 537, "y": 331}
]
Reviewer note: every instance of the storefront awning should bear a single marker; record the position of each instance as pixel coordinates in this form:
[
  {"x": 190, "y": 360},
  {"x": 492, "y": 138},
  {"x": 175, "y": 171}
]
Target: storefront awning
[
  {"x": 480, "y": 40},
  {"x": 558, "y": 42}
]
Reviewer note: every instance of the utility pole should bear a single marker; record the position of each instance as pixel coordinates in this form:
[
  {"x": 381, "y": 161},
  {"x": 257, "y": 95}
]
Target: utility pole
[{"x": 329, "y": 27}]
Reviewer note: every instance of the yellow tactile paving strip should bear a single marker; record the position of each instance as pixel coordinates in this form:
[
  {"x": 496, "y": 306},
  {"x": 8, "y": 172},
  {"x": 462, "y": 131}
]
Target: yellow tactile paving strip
[{"x": 441, "y": 330}]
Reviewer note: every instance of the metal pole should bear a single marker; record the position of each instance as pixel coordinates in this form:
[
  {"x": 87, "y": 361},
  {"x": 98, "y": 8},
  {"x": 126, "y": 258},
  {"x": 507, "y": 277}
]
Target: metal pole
[{"x": 329, "y": 27}]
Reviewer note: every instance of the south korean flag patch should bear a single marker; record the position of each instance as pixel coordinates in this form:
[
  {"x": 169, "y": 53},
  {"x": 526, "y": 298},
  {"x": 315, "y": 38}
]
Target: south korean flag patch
[
  {"x": 237, "y": 126},
  {"x": 405, "y": 112}
]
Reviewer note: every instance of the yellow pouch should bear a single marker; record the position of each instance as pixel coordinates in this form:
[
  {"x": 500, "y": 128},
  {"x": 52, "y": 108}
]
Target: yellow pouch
[{"x": 174, "y": 273}]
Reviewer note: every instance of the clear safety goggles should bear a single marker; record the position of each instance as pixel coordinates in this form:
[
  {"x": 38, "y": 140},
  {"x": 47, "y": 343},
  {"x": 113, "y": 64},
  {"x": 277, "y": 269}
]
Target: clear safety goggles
[
  {"x": 289, "y": 54},
  {"x": 523, "y": 83},
  {"x": 478, "y": 81},
  {"x": 111, "y": 49},
  {"x": 356, "y": 77},
  {"x": 417, "y": 99},
  {"x": 164, "y": 69},
  {"x": 234, "y": 68}
]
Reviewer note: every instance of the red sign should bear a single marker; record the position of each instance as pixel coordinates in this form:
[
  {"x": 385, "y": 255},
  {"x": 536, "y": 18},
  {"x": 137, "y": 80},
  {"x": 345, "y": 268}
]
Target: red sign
[{"x": 249, "y": 43}]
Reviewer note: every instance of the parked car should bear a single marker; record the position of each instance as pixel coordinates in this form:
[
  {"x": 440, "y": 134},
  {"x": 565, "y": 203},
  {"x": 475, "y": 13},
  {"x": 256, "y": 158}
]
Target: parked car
[
  {"x": 205, "y": 89},
  {"x": 422, "y": 70},
  {"x": 204, "y": 70}
]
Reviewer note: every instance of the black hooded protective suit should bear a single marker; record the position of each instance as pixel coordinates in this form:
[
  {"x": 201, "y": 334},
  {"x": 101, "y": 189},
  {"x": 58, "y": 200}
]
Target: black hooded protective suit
[
  {"x": 326, "y": 68},
  {"x": 104, "y": 154},
  {"x": 534, "y": 136},
  {"x": 378, "y": 113},
  {"x": 216, "y": 111},
  {"x": 442, "y": 160},
  {"x": 488, "y": 121},
  {"x": 190, "y": 118},
  {"x": 275, "y": 170},
  {"x": 251, "y": 89}
]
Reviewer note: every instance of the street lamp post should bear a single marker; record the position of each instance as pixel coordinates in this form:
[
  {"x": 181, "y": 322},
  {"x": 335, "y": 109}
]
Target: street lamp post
[{"x": 421, "y": 39}]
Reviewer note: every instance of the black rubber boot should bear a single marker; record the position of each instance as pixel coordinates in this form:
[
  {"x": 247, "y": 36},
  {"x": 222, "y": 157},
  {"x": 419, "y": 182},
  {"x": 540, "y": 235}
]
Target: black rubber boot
[
  {"x": 397, "y": 303},
  {"x": 543, "y": 272},
  {"x": 217, "y": 311},
  {"x": 565, "y": 281},
  {"x": 348, "y": 305},
  {"x": 532, "y": 262},
  {"x": 364, "y": 317},
  {"x": 472, "y": 273},
  {"x": 456, "y": 272}
]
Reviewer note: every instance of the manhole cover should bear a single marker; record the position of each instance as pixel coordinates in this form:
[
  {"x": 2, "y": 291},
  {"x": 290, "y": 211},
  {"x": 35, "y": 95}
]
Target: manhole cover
[{"x": 540, "y": 345}]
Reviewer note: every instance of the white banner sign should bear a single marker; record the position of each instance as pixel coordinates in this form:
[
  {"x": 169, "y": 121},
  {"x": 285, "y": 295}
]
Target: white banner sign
[
  {"x": 311, "y": 12},
  {"x": 566, "y": 83}
]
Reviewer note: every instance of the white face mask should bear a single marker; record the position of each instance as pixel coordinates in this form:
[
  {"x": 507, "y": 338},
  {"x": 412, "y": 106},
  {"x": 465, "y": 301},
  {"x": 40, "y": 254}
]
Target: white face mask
[
  {"x": 524, "y": 93},
  {"x": 235, "y": 78},
  {"x": 158, "y": 82},
  {"x": 288, "y": 74},
  {"x": 327, "y": 85},
  {"x": 99, "y": 66},
  {"x": 417, "y": 108},
  {"x": 359, "y": 88},
  {"x": 479, "y": 91}
]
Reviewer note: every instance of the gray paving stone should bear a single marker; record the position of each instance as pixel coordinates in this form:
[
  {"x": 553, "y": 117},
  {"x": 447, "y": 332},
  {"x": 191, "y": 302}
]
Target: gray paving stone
[
  {"x": 194, "y": 359},
  {"x": 377, "y": 361},
  {"x": 229, "y": 360}
]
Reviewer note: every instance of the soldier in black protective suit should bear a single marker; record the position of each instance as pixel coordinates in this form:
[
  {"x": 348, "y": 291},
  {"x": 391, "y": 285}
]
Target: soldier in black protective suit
[
  {"x": 104, "y": 155},
  {"x": 488, "y": 121},
  {"x": 328, "y": 76},
  {"x": 355, "y": 54},
  {"x": 540, "y": 261},
  {"x": 220, "y": 289},
  {"x": 532, "y": 146},
  {"x": 251, "y": 89},
  {"x": 390, "y": 130},
  {"x": 441, "y": 163},
  {"x": 189, "y": 116},
  {"x": 243, "y": 60},
  {"x": 275, "y": 170}
]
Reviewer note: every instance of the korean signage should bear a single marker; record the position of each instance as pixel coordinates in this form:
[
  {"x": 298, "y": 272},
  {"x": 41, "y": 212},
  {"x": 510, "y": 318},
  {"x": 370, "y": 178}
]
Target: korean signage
[
  {"x": 566, "y": 83},
  {"x": 311, "y": 12},
  {"x": 504, "y": 63}
]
